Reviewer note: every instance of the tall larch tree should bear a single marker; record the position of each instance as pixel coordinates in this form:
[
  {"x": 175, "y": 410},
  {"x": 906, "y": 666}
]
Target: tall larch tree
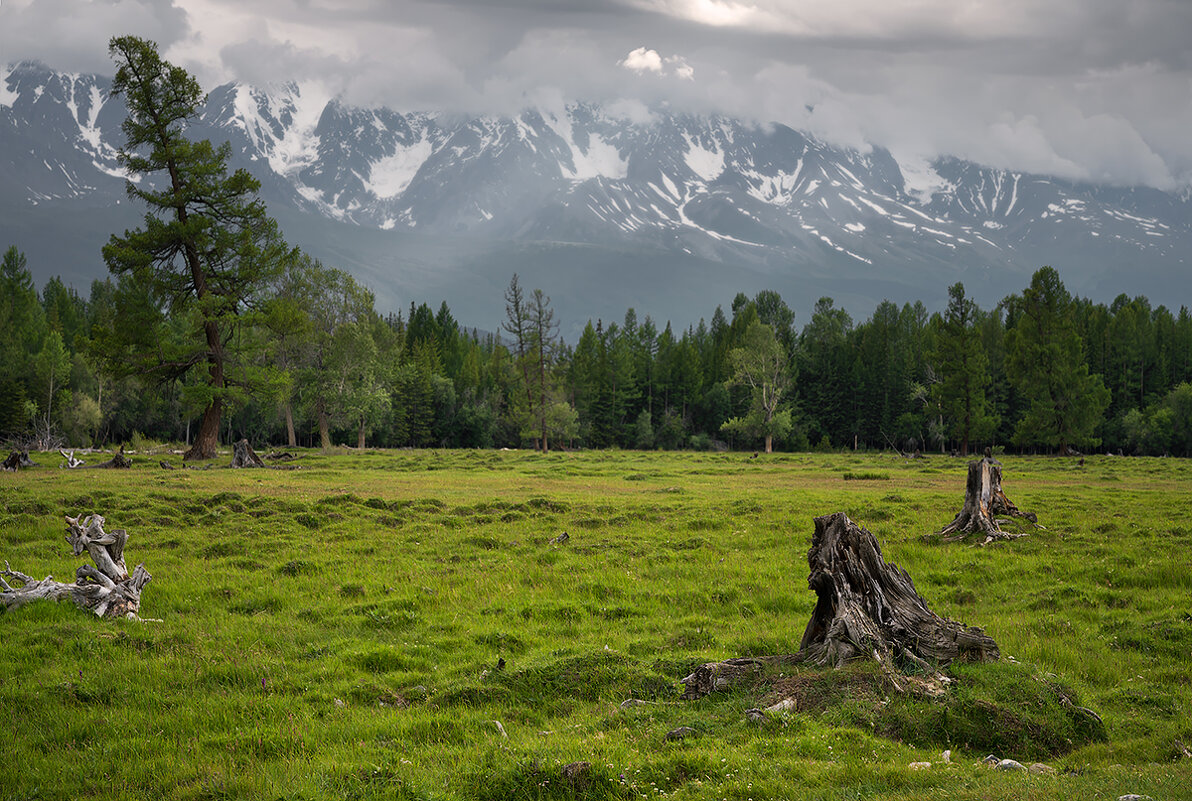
[{"x": 207, "y": 251}]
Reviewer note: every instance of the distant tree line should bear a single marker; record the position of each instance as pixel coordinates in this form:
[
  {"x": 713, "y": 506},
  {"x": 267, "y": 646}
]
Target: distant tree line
[
  {"x": 212, "y": 327},
  {"x": 1041, "y": 372}
]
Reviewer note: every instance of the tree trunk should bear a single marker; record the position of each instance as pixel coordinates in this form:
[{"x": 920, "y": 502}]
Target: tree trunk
[
  {"x": 360, "y": 436},
  {"x": 324, "y": 429},
  {"x": 291, "y": 436},
  {"x": 866, "y": 608},
  {"x": 244, "y": 456},
  {"x": 769, "y": 443},
  {"x": 105, "y": 589},
  {"x": 207, "y": 439},
  {"x": 983, "y": 498}
]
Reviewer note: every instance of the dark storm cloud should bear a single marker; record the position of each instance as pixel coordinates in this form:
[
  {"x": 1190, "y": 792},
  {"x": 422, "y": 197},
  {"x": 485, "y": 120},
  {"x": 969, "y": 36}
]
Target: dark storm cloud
[{"x": 1094, "y": 89}]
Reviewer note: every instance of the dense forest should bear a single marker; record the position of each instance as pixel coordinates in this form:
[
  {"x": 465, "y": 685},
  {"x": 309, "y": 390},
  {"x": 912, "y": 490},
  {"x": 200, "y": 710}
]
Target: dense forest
[
  {"x": 211, "y": 327},
  {"x": 314, "y": 363}
]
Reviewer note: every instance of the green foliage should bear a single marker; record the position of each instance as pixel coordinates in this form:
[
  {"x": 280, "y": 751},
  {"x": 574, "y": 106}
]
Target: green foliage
[{"x": 1046, "y": 362}]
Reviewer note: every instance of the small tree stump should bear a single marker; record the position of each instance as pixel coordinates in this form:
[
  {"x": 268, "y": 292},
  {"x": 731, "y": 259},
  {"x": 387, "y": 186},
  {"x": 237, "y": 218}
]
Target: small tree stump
[
  {"x": 984, "y": 498},
  {"x": 865, "y": 608},
  {"x": 106, "y": 589},
  {"x": 15, "y": 461},
  {"x": 244, "y": 456}
]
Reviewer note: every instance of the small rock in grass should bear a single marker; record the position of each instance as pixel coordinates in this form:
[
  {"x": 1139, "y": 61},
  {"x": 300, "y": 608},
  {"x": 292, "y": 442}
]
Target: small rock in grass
[
  {"x": 919, "y": 766},
  {"x": 1133, "y": 797},
  {"x": 785, "y": 705},
  {"x": 755, "y": 715},
  {"x": 990, "y": 759},
  {"x": 947, "y": 755},
  {"x": 630, "y": 703},
  {"x": 339, "y": 703},
  {"x": 1039, "y": 767},
  {"x": 680, "y": 733},
  {"x": 1009, "y": 764}
]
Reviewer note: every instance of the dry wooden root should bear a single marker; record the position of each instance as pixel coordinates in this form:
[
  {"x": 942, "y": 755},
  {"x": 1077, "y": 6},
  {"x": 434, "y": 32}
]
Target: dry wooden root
[
  {"x": 106, "y": 589},
  {"x": 117, "y": 462},
  {"x": 983, "y": 501},
  {"x": 866, "y": 609}
]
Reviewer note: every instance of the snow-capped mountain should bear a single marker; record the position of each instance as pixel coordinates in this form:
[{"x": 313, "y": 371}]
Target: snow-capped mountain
[{"x": 604, "y": 208}]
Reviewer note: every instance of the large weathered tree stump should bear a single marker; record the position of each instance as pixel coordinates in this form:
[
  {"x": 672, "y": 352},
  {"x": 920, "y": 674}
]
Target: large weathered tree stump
[
  {"x": 106, "y": 589},
  {"x": 866, "y": 608},
  {"x": 983, "y": 500}
]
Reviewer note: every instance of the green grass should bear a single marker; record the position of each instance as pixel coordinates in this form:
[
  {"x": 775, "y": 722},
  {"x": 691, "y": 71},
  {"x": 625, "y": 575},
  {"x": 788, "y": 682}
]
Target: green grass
[{"x": 335, "y": 631}]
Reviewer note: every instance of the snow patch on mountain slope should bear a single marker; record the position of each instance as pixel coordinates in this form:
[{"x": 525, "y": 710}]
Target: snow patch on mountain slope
[
  {"x": 707, "y": 164},
  {"x": 7, "y": 96},
  {"x": 920, "y": 180},
  {"x": 392, "y": 175},
  {"x": 599, "y": 160}
]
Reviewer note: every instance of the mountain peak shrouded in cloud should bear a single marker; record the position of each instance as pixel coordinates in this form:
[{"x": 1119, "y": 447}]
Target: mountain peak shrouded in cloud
[{"x": 1089, "y": 90}]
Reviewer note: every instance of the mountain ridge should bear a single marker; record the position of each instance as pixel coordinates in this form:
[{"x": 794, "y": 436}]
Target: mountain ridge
[{"x": 419, "y": 203}]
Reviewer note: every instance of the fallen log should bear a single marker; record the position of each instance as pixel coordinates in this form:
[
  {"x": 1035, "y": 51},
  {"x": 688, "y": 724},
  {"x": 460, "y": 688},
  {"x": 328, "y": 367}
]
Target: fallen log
[
  {"x": 983, "y": 501},
  {"x": 866, "y": 608},
  {"x": 105, "y": 589}
]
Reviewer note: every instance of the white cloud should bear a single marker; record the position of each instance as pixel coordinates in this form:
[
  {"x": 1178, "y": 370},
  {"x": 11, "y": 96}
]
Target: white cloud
[{"x": 642, "y": 60}]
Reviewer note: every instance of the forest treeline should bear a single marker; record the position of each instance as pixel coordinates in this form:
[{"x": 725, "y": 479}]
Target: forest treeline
[
  {"x": 317, "y": 364},
  {"x": 211, "y": 326}
]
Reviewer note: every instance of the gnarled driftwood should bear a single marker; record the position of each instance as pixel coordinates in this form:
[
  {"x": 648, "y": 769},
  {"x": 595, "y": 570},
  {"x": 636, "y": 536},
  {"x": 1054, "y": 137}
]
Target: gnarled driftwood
[
  {"x": 106, "y": 589},
  {"x": 983, "y": 499},
  {"x": 865, "y": 608}
]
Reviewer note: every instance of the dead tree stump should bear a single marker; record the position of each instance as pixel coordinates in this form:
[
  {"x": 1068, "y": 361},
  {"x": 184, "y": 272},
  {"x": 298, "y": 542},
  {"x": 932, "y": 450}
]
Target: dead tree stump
[
  {"x": 983, "y": 499},
  {"x": 106, "y": 589},
  {"x": 866, "y": 608},
  {"x": 244, "y": 456},
  {"x": 15, "y": 461}
]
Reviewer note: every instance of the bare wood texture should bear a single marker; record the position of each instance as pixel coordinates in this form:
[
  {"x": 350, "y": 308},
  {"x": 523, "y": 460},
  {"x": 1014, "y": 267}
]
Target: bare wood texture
[
  {"x": 983, "y": 499},
  {"x": 105, "y": 589},
  {"x": 244, "y": 456},
  {"x": 866, "y": 608}
]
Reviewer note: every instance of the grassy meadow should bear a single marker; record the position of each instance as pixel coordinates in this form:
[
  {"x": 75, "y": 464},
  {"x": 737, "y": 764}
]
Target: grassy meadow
[{"x": 335, "y": 631}]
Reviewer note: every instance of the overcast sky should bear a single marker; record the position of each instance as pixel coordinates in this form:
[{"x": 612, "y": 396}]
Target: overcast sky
[{"x": 1086, "y": 89}]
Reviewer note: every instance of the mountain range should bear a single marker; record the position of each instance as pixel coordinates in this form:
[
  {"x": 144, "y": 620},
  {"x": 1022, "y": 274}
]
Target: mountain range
[{"x": 603, "y": 207}]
